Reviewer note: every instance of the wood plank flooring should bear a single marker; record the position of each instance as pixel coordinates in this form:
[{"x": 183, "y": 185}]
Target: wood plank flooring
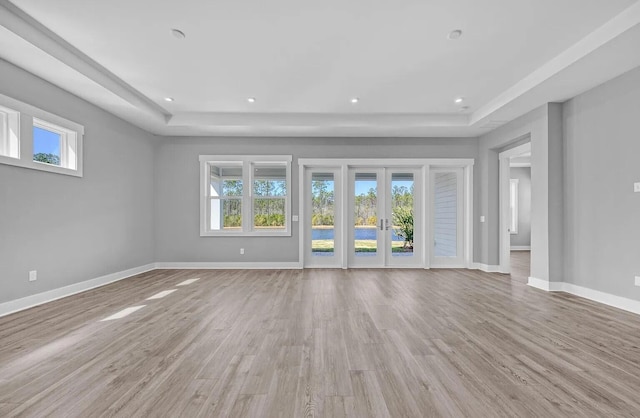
[{"x": 333, "y": 343}]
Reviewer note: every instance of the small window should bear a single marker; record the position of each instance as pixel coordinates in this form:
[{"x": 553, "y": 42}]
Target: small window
[
  {"x": 513, "y": 204},
  {"x": 245, "y": 195},
  {"x": 52, "y": 143},
  {"x": 9, "y": 137}
]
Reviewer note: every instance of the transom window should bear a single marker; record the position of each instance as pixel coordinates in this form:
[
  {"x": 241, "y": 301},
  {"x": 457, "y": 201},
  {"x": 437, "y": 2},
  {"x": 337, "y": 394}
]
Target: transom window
[
  {"x": 46, "y": 141},
  {"x": 245, "y": 195}
]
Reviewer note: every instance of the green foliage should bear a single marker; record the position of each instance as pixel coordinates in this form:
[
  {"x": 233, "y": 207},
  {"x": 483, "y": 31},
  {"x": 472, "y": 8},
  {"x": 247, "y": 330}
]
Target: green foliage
[
  {"x": 319, "y": 220},
  {"x": 322, "y": 201},
  {"x": 232, "y": 221},
  {"x": 403, "y": 224},
  {"x": 47, "y": 158},
  {"x": 274, "y": 219}
]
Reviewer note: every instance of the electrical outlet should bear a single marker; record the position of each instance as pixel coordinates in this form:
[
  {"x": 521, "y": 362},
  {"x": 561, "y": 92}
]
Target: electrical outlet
[
  {"x": 482, "y": 219},
  {"x": 637, "y": 280},
  {"x": 636, "y": 187},
  {"x": 241, "y": 251},
  {"x": 33, "y": 275}
]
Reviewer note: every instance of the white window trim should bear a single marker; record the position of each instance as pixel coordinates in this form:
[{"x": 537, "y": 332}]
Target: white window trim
[
  {"x": 28, "y": 115},
  {"x": 513, "y": 195},
  {"x": 247, "y": 197}
]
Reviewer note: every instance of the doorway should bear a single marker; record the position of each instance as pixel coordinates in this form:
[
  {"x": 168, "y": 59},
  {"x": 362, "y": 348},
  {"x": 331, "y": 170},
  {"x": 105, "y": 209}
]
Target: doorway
[
  {"x": 515, "y": 211},
  {"x": 383, "y": 229},
  {"x": 380, "y": 213}
]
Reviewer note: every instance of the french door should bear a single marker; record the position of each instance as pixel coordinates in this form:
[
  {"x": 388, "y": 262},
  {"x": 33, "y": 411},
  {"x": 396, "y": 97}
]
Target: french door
[
  {"x": 323, "y": 196},
  {"x": 383, "y": 221},
  {"x": 370, "y": 213}
]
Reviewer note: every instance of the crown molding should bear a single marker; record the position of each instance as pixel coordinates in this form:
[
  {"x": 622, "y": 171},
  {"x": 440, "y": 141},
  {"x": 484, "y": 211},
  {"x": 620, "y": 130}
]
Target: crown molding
[
  {"x": 32, "y": 31},
  {"x": 612, "y": 29}
]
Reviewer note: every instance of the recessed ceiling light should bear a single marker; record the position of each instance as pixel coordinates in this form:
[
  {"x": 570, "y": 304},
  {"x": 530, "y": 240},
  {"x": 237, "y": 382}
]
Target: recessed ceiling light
[
  {"x": 454, "y": 34},
  {"x": 177, "y": 33},
  {"x": 459, "y": 100},
  {"x": 251, "y": 99},
  {"x": 168, "y": 99},
  {"x": 355, "y": 100}
]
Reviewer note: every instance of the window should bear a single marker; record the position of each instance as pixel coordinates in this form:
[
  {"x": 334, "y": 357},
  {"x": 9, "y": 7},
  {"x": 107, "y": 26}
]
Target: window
[
  {"x": 269, "y": 196},
  {"x": 245, "y": 195},
  {"x": 54, "y": 145},
  {"x": 513, "y": 204},
  {"x": 46, "y": 142},
  {"x": 225, "y": 194},
  {"x": 9, "y": 125}
]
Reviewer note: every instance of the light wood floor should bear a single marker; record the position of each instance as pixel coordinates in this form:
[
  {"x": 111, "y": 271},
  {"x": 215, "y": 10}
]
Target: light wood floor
[
  {"x": 520, "y": 265},
  {"x": 362, "y": 343}
]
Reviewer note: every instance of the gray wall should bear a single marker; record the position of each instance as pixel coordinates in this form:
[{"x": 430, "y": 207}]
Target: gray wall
[
  {"x": 177, "y": 199},
  {"x": 523, "y": 237},
  {"x": 543, "y": 128},
  {"x": 73, "y": 229},
  {"x": 602, "y": 161}
]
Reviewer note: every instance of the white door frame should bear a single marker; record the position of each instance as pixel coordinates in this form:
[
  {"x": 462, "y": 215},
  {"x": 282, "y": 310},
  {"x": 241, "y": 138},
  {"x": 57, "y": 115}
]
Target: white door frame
[
  {"x": 420, "y": 163},
  {"x": 504, "y": 208},
  {"x": 379, "y": 259},
  {"x": 311, "y": 261},
  {"x": 460, "y": 260},
  {"x": 416, "y": 260}
]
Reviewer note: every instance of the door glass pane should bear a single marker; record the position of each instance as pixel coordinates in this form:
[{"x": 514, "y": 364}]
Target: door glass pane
[
  {"x": 322, "y": 214},
  {"x": 445, "y": 214},
  {"x": 365, "y": 214},
  {"x": 402, "y": 193}
]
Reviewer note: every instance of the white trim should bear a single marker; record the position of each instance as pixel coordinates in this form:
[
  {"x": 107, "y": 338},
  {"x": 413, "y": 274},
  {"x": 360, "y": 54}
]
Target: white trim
[
  {"x": 247, "y": 162},
  {"x": 539, "y": 283},
  {"x": 520, "y": 165},
  {"x": 504, "y": 210},
  {"x": 16, "y": 305},
  {"x": 514, "y": 186},
  {"x": 230, "y": 265},
  {"x": 608, "y": 299},
  {"x": 385, "y": 162},
  {"x": 71, "y": 139},
  {"x": 485, "y": 267},
  {"x": 609, "y": 31},
  {"x": 35, "y": 33},
  {"x": 520, "y": 248}
]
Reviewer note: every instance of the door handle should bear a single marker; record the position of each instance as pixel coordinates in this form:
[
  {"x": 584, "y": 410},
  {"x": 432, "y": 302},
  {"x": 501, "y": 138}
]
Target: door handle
[
  {"x": 387, "y": 224},
  {"x": 381, "y": 224}
]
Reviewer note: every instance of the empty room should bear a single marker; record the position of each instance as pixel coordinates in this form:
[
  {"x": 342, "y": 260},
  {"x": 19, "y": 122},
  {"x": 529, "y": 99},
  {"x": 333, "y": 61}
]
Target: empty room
[{"x": 319, "y": 209}]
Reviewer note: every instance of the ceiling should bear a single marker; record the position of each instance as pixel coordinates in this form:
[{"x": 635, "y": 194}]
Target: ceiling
[{"x": 304, "y": 62}]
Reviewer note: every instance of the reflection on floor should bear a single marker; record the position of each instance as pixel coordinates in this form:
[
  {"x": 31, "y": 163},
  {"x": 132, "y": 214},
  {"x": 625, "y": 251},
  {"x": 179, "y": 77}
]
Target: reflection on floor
[{"x": 520, "y": 265}]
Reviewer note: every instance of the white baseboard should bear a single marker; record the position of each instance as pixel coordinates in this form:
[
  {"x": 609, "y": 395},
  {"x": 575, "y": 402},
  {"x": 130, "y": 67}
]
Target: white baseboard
[
  {"x": 521, "y": 248},
  {"x": 485, "y": 267},
  {"x": 619, "y": 302},
  {"x": 269, "y": 265},
  {"x": 539, "y": 284},
  {"x": 16, "y": 305}
]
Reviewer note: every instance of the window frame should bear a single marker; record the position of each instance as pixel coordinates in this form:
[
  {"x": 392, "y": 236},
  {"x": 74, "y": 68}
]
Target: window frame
[
  {"x": 10, "y": 145},
  {"x": 248, "y": 162},
  {"x": 514, "y": 185},
  {"x": 28, "y": 117}
]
